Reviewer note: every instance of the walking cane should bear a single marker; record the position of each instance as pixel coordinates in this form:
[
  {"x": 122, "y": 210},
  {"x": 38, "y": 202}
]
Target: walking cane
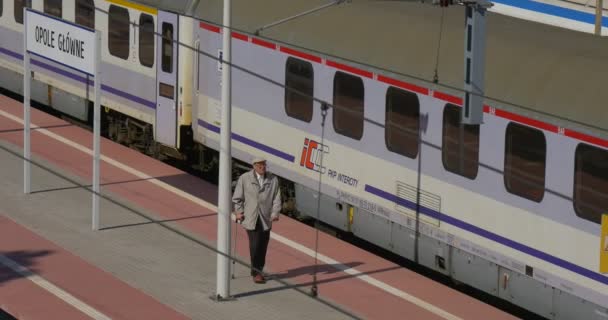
[{"x": 236, "y": 236}]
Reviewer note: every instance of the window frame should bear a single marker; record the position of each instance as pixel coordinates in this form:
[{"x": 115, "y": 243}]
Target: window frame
[
  {"x": 152, "y": 36},
  {"x": 18, "y": 13},
  {"x": 393, "y": 94},
  {"x": 507, "y": 169},
  {"x": 578, "y": 154},
  {"x": 308, "y": 114},
  {"x": 462, "y": 131},
  {"x": 118, "y": 10},
  {"x": 79, "y": 18},
  {"x": 49, "y": 9},
  {"x": 356, "y": 81},
  {"x": 164, "y": 43}
]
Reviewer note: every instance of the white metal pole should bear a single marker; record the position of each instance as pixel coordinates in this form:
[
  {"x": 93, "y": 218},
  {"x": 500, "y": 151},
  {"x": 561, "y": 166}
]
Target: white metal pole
[
  {"x": 599, "y": 9},
  {"x": 96, "y": 129},
  {"x": 224, "y": 198},
  {"x": 27, "y": 167},
  {"x": 474, "y": 63}
]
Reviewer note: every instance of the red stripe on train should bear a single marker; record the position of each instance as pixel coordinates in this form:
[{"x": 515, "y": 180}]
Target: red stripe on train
[
  {"x": 240, "y": 36},
  {"x": 403, "y": 85},
  {"x": 446, "y": 97},
  {"x": 263, "y": 43},
  {"x": 349, "y": 69},
  {"x": 586, "y": 138},
  {"x": 411, "y": 87},
  {"x": 528, "y": 121},
  {"x": 210, "y": 27},
  {"x": 302, "y": 55}
]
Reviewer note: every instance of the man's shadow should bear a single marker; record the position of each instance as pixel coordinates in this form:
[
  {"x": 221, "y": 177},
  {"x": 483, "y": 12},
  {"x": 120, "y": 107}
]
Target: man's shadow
[
  {"x": 283, "y": 277},
  {"x": 310, "y": 270},
  {"x": 19, "y": 264}
]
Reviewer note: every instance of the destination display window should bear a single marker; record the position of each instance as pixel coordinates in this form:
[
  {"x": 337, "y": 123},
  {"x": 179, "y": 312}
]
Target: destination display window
[
  {"x": 525, "y": 161},
  {"x": 460, "y": 143},
  {"x": 146, "y": 40},
  {"x": 118, "y": 32},
  {"x": 299, "y": 76},
  {"x": 402, "y": 122},
  {"x": 85, "y": 13},
  {"x": 53, "y": 7},
  {"x": 348, "y": 105},
  {"x": 591, "y": 182}
]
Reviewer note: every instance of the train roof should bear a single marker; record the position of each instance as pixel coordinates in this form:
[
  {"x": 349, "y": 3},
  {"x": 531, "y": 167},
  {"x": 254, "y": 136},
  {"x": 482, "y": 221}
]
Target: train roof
[{"x": 544, "y": 72}]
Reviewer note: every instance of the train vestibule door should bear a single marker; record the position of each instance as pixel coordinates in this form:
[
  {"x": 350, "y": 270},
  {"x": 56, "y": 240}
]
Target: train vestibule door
[{"x": 166, "y": 78}]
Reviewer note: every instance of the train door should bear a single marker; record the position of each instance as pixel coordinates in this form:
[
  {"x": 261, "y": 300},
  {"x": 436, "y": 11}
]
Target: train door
[{"x": 166, "y": 77}]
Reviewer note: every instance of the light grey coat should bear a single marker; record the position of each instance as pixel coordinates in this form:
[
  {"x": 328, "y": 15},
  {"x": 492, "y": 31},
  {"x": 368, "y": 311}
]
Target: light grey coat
[{"x": 255, "y": 200}]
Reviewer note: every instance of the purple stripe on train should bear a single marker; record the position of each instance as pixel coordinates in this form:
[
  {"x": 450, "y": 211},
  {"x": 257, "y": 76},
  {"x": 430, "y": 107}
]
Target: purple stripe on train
[
  {"x": 249, "y": 142},
  {"x": 76, "y": 77},
  {"x": 488, "y": 235}
]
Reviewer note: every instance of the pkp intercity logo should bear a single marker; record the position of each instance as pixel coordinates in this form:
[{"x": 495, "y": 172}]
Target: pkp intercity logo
[{"x": 311, "y": 155}]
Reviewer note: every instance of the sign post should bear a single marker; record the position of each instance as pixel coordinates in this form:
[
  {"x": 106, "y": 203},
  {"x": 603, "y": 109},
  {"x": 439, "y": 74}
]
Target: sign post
[
  {"x": 72, "y": 46},
  {"x": 225, "y": 175},
  {"x": 27, "y": 166}
]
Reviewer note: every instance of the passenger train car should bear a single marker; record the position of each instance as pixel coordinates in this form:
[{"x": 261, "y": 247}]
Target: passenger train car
[{"x": 511, "y": 207}]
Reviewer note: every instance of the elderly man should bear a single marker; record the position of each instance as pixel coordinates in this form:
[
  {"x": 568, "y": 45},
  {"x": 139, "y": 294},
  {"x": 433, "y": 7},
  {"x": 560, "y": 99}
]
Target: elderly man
[{"x": 257, "y": 202}]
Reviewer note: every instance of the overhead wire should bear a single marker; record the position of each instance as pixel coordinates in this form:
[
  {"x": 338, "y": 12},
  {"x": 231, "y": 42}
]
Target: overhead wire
[
  {"x": 429, "y": 82},
  {"x": 436, "y": 75},
  {"x": 364, "y": 64}
]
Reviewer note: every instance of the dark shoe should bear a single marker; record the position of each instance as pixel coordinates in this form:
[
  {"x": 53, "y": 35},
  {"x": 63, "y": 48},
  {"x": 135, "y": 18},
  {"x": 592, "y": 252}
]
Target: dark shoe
[{"x": 259, "y": 279}]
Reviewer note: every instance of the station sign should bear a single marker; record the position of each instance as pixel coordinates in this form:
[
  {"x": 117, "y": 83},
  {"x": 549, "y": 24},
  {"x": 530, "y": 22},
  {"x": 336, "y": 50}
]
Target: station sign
[{"x": 61, "y": 41}]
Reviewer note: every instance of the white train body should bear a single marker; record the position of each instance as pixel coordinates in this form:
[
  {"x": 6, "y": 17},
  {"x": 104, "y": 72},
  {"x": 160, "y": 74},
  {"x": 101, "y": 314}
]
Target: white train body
[{"x": 474, "y": 217}]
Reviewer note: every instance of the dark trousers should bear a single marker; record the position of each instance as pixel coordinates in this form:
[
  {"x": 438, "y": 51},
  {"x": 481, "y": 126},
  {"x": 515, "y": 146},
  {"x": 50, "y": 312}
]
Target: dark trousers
[{"x": 258, "y": 243}]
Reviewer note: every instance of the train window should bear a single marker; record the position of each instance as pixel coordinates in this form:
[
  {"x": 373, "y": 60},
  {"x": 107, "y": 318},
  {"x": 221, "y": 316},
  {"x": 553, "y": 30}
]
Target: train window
[
  {"x": 525, "y": 159},
  {"x": 460, "y": 143},
  {"x": 167, "y": 48},
  {"x": 402, "y": 122},
  {"x": 118, "y": 31},
  {"x": 348, "y": 105},
  {"x": 146, "y": 40},
  {"x": 53, "y": 7},
  {"x": 85, "y": 13},
  {"x": 590, "y": 182},
  {"x": 18, "y": 6},
  {"x": 299, "y": 76}
]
